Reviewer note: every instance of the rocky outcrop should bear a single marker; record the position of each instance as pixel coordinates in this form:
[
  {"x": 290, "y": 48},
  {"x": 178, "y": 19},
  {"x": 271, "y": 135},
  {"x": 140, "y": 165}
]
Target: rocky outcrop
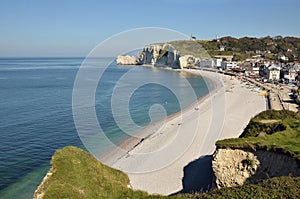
[
  {"x": 189, "y": 61},
  {"x": 235, "y": 167},
  {"x": 160, "y": 55},
  {"x": 40, "y": 191},
  {"x": 127, "y": 60},
  {"x": 167, "y": 55}
]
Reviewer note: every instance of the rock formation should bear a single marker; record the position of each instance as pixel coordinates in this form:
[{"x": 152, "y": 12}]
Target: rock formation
[
  {"x": 160, "y": 55},
  {"x": 235, "y": 167},
  {"x": 127, "y": 60},
  {"x": 175, "y": 54},
  {"x": 40, "y": 191},
  {"x": 189, "y": 61},
  {"x": 186, "y": 54}
]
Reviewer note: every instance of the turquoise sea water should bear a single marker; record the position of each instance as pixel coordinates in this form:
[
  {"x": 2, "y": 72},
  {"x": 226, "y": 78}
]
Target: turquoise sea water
[{"x": 36, "y": 112}]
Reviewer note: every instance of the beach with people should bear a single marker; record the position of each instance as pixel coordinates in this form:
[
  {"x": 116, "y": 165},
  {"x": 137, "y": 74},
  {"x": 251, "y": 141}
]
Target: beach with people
[{"x": 160, "y": 158}]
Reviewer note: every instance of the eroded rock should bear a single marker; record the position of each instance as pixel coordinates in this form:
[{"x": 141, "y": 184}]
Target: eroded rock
[{"x": 234, "y": 167}]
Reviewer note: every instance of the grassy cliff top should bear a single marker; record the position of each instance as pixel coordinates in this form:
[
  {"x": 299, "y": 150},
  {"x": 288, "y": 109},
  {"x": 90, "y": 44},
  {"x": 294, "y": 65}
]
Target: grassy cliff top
[
  {"x": 187, "y": 47},
  {"x": 77, "y": 174},
  {"x": 270, "y": 130}
]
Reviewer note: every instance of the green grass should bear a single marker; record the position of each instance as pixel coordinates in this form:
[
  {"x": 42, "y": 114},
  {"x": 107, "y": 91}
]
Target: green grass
[
  {"x": 193, "y": 48},
  {"x": 287, "y": 141},
  {"x": 281, "y": 187},
  {"x": 76, "y": 174}
]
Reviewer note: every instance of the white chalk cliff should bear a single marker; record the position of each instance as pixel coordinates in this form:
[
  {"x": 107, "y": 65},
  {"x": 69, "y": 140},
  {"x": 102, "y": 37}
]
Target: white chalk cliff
[
  {"x": 189, "y": 61},
  {"x": 160, "y": 55},
  {"x": 176, "y": 54},
  {"x": 235, "y": 167}
]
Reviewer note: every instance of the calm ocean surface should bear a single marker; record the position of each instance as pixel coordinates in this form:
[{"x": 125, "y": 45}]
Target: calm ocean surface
[{"x": 36, "y": 113}]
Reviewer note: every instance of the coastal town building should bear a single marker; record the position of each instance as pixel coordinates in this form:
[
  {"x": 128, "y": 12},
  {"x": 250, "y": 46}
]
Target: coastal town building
[
  {"x": 252, "y": 71},
  {"x": 228, "y": 65},
  {"x": 268, "y": 70},
  {"x": 263, "y": 71},
  {"x": 283, "y": 58},
  {"x": 251, "y": 62},
  {"x": 274, "y": 72},
  {"x": 193, "y": 38},
  {"x": 222, "y": 48},
  {"x": 290, "y": 76},
  {"x": 225, "y": 57},
  {"x": 218, "y": 63},
  {"x": 290, "y": 72},
  {"x": 209, "y": 63}
]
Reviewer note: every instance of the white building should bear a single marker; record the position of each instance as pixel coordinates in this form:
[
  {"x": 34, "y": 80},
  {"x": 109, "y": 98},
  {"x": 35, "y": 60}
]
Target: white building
[
  {"x": 228, "y": 65},
  {"x": 283, "y": 58},
  {"x": 209, "y": 63},
  {"x": 252, "y": 71},
  {"x": 274, "y": 73},
  {"x": 218, "y": 63},
  {"x": 221, "y": 48},
  {"x": 193, "y": 38}
]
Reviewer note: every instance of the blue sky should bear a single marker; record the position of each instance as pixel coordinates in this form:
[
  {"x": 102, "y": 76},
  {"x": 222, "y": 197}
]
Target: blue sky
[{"x": 38, "y": 28}]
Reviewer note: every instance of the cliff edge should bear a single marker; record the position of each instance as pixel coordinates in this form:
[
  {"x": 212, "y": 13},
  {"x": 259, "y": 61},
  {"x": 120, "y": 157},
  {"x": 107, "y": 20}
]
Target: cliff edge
[
  {"x": 262, "y": 163},
  {"x": 77, "y": 174},
  {"x": 269, "y": 147}
]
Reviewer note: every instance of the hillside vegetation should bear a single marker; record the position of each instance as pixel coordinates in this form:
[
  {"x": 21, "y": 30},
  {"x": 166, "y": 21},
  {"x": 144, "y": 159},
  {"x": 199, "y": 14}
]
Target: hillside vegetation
[
  {"x": 270, "y": 130},
  {"x": 246, "y": 47},
  {"x": 187, "y": 47}
]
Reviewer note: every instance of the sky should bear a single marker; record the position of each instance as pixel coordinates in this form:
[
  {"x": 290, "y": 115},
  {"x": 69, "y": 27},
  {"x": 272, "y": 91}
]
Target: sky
[{"x": 72, "y": 28}]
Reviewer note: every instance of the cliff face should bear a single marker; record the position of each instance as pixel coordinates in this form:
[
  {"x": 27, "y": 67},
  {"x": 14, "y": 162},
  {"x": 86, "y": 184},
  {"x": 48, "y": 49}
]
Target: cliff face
[
  {"x": 177, "y": 54},
  {"x": 189, "y": 61},
  {"x": 160, "y": 55},
  {"x": 234, "y": 167},
  {"x": 40, "y": 191}
]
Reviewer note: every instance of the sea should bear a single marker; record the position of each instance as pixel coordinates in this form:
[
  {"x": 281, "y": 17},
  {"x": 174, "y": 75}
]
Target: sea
[{"x": 36, "y": 116}]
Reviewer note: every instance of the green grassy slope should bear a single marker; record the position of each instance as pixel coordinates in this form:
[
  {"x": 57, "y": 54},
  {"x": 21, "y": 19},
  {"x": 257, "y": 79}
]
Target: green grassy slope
[
  {"x": 77, "y": 174},
  {"x": 283, "y": 134},
  {"x": 193, "y": 48},
  {"x": 282, "y": 187}
]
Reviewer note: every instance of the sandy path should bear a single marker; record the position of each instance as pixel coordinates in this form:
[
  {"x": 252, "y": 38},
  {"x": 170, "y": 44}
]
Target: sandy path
[{"x": 165, "y": 161}]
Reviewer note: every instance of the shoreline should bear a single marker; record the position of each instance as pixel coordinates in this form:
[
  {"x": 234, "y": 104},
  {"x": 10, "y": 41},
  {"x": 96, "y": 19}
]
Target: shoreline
[
  {"x": 190, "y": 171},
  {"x": 112, "y": 156},
  {"x": 170, "y": 156}
]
